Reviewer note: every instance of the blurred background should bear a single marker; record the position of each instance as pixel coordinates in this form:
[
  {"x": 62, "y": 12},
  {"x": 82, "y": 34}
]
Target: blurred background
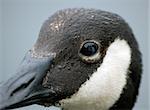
[{"x": 20, "y": 22}]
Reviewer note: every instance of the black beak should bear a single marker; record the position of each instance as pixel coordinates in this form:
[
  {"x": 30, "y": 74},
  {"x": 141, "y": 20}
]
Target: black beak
[{"x": 25, "y": 88}]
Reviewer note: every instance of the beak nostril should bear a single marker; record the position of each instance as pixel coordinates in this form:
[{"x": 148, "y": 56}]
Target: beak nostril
[
  {"x": 25, "y": 87},
  {"x": 22, "y": 86}
]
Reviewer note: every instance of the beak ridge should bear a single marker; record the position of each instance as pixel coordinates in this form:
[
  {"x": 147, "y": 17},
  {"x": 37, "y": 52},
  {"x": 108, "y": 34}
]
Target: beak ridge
[{"x": 26, "y": 85}]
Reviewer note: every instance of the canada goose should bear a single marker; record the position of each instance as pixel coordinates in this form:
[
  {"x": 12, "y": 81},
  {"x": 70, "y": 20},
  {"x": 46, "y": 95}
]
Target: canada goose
[{"x": 84, "y": 59}]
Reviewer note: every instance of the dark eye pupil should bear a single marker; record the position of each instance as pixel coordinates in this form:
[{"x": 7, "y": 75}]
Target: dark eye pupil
[{"x": 89, "y": 49}]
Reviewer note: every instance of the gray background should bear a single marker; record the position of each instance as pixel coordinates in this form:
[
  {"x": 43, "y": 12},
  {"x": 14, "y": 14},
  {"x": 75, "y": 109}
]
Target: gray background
[{"x": 20, "y": 22}]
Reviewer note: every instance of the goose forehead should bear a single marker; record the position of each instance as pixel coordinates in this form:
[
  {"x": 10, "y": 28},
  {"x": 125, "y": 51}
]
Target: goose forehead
[{"x": 77, "y": 24}]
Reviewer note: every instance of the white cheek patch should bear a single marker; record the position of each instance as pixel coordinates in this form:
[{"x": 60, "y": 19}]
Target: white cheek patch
[{"x": 105, "y": 85}]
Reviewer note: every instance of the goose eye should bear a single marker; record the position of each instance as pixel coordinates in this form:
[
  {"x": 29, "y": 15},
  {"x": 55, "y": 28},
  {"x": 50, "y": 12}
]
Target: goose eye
[
  {"x": 90, "y": 51},
  {"x": 89, "y": 48}
]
